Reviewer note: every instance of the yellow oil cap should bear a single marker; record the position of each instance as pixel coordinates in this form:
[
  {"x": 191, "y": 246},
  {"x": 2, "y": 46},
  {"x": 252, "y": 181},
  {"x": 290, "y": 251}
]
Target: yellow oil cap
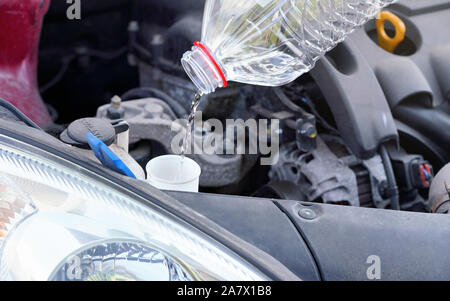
[{"x": 384, "y": 40}]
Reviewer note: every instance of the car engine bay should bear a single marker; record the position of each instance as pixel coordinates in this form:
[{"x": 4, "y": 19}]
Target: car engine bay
[{"x": 364, "y": 128}]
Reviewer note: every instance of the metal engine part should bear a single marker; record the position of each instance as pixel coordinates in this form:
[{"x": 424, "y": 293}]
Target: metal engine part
[
  {"x": 322, "y": 175},
  {"x": 153, "y": 119}
]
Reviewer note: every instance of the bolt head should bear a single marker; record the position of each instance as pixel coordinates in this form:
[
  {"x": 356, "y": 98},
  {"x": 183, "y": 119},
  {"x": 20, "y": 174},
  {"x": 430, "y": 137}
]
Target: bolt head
[
  {"x": 116, "y": 99},
  {"x": 307, "y": 213},
  {"x": 309, "y": 130}
]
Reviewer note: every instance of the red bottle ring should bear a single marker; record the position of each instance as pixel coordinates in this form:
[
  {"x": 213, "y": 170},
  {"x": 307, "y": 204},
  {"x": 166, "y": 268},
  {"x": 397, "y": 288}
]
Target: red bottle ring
[{"x": 206, "y": 51}]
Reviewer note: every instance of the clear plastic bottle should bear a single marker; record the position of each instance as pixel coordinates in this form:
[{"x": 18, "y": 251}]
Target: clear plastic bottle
[{"x": 270, "y": 42}]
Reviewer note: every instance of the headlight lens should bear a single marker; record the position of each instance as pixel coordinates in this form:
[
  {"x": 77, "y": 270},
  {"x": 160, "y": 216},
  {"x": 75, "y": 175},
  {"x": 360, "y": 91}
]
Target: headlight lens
[
  {"x": 121, "y": 261},
  {"x": 59, "y": 221}
]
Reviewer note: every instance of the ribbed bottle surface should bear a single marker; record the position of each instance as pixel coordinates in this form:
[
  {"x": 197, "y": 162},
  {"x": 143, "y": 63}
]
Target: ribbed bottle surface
[{"x": 272, "y": 42}]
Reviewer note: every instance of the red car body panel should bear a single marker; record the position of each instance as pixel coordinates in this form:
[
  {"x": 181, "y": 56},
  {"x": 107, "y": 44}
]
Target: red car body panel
[{"x": 20, "y": 28}]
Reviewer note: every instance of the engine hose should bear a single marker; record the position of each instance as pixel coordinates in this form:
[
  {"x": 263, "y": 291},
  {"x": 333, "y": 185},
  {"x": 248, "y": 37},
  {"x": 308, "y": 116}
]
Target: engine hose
[
  {"x": 143, "y": 92},
  {"x": 18, "y": 114},
  {"x": 392, "y": 183}
]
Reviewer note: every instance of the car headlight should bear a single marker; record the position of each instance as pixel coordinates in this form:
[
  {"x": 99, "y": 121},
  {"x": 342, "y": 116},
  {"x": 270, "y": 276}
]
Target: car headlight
[{"x": 59, "y": 221}]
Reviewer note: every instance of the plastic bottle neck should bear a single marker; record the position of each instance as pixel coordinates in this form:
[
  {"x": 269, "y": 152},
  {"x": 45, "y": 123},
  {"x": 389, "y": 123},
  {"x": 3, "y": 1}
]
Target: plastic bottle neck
[{"x": 203, "y": 69}]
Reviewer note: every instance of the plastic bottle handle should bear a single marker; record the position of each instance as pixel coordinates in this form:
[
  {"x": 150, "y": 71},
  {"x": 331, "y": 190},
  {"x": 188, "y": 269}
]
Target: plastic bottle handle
[{"x": 385, "y": 41}]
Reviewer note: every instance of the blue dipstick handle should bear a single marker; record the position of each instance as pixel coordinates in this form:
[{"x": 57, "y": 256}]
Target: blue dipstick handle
[{"x": 107, "y": 157}]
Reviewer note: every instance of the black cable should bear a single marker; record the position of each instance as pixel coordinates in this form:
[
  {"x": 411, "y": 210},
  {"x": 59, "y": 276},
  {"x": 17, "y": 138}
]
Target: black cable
[
  {"x": 105, "y": 55},
  {"x": 392, "y": 183},
  {"x": 287, "y": 102},
  {"x": 321, "y": 120},
  {"x": 18, "y": 114},
  {"x": 296, "y": 108},
  {"x": 58, "y": 77},
  {"x": 144, "y": 92},
  {"x": 81, "y": 51}
]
